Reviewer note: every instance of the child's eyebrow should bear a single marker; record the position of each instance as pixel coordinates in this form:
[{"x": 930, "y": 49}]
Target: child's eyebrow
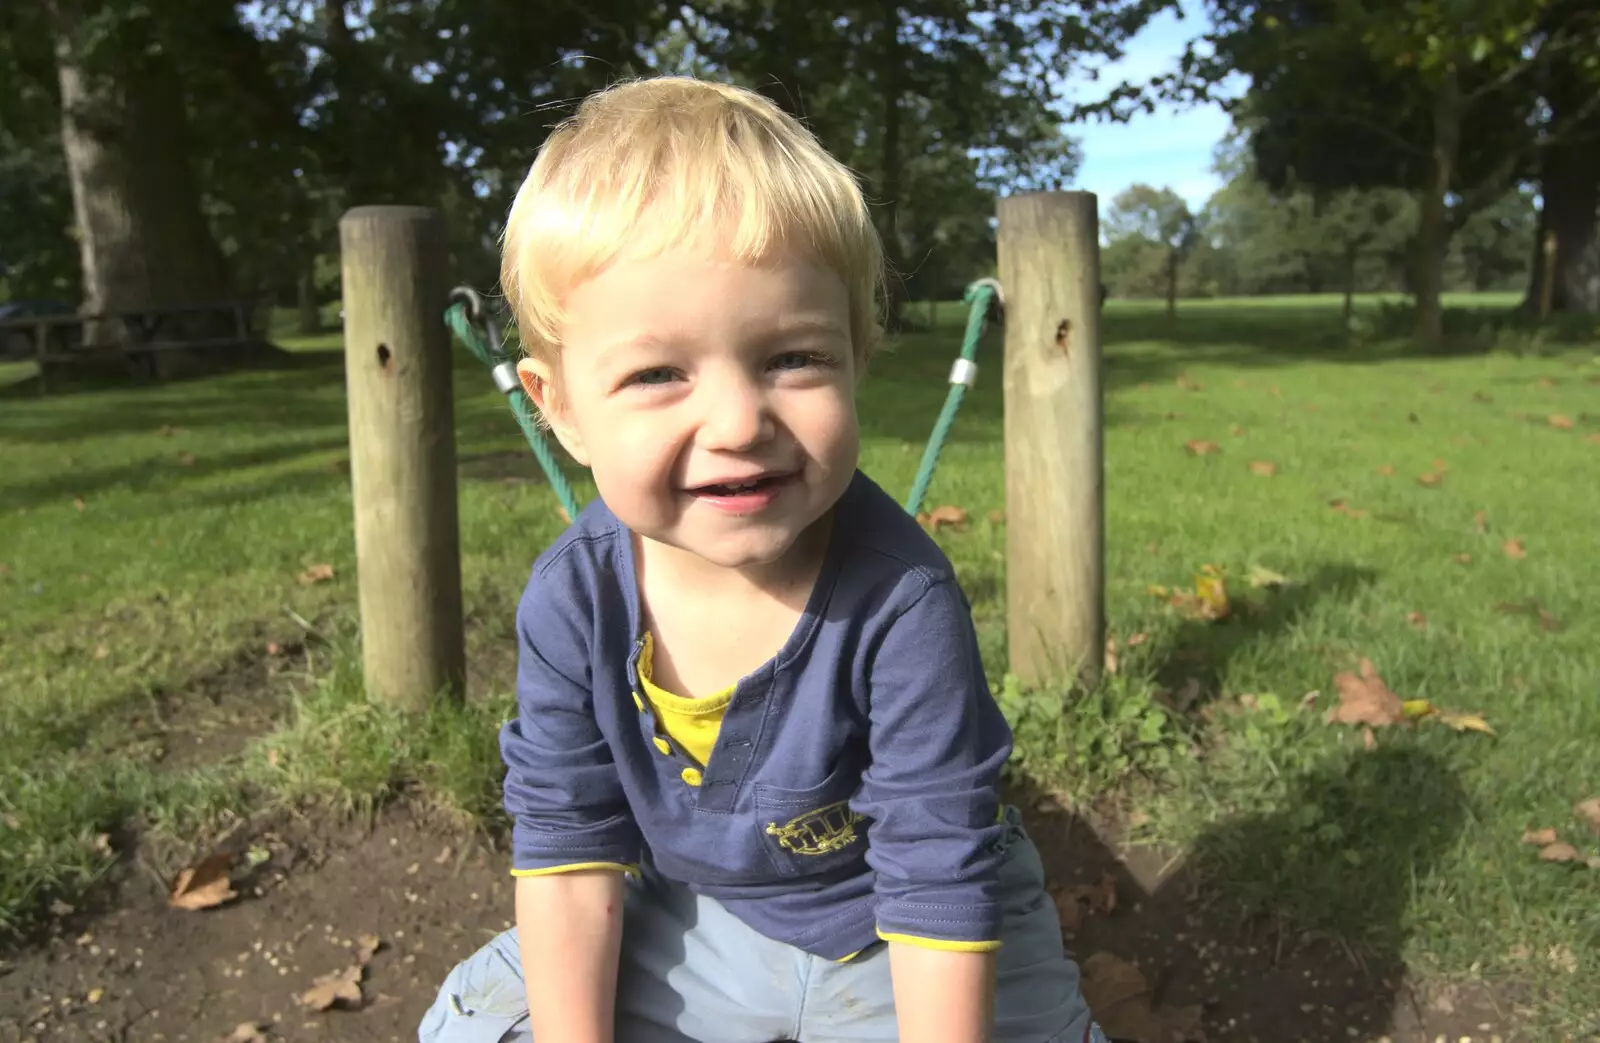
[{"x": 787, "y": 329}]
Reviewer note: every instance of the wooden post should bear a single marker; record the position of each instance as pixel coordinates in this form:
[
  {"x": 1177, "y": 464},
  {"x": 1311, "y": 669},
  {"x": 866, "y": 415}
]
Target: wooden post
[
  {"x": 402, "y": 453},
  {"x": 1049, "y": 254},
  {"x": 1547, "y": 286}
]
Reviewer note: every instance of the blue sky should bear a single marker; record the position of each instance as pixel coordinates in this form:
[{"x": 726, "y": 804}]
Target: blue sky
[{"x": 1170, "y": 147}]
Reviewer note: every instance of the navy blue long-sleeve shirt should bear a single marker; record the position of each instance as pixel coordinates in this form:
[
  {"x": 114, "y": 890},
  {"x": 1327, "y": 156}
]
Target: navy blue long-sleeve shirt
[{"x": 852, "y": 791}]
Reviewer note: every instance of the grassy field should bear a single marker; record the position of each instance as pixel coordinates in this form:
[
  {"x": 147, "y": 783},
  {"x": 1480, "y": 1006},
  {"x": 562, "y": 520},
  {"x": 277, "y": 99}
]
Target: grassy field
[{"x": 169, "y": 660}]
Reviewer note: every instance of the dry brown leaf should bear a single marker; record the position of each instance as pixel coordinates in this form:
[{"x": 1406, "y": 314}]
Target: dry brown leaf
[
  {"x": 1588, "y": 811},
  {"x": 997, "y": 517},
  {"x": 1463, "y": 559},
  {"x": 1111, "y": 654},
  {"x": 1559, "y": 420},
  {"x": 205, "y": 885},
  {"x": 1593, "y": 438},
  {"x": 1235, "y": 430},
  {"x": 1125, "y": 1006},
  {"x": 1200, "y": 447},
  {"x": 316, "y": 574},
  {"x": 1430, "y": 479},
  {"x": 366, "y": 947},
  {"x": 1365, "y": 699},
  {"x": 947, "y": 514},
  {"x": 1135, "y": 640},
  {"x": 1514, "y": 549},
  {"x": 1545, "y": 382},
  {"x": 1480, "y": 521},
  {"x": 1387, "y": 470},
  {"x": 341, "y": 988},
  {"x": 1558, "y": 852},
  {"x": 1340, "y": 507},
  {"x": 1264, "y": 468},
  {"x": 1539, "y": 837},
  {"x": 185, "y": 459},
  {"x": 1417, "y": 619},
  {"x": 77, "y": 502},
  {"x": 247, "y": 1032}
]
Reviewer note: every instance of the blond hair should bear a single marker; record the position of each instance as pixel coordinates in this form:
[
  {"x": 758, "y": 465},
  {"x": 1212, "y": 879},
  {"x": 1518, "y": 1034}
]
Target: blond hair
[{"x": 671, "y": 162}]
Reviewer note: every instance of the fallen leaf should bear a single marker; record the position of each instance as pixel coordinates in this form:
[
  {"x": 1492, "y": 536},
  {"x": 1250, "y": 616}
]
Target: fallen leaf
[
  {"x": 1463, "y": 559},
  {"x": 185, "y": 459},
  {"x": 101, "y": 651},
  {"x": 77, "y": 502},
  {"x": 1387, "y": 470},
  {"x": 205, "y": 885},
  {"x": 949, "y": 515},
  {"x": 1211, "y": 591},
  {"x": 1264, "y": 577},
  {"x": 1188, "y": 383},
  {"x": 1514, "y": 549},
  {"x": 1264, "y": 468},
  {"x": 366, "y": 947},
  {"x": 1340, "y": 507},
  {"x": 1365, "y": 699},
  {"x": 1440, "y": 466},
  {"x": 1430, "y": 479},
  {"x": 1545, "y": 382},
  {"x": 338, "y": 988},
  {"x": 1480, "y": 521},
  {"x": 1417, "y": 619},
  {"x": 1135, "y": 640},
  {"x": 1558, "y": 852},
  {"x": 1200, "y": 447},
  {"x": 1369, "y": 739},
  {"x": 316, "y": 574},
  {"x": 1589, "y": 812},
  {"x": 1593, "y": 438},
  {"x": 1465, "y": 722},
  {"x": 997, "y": 517},
  {"x": 1479, "y": 396},
  {"x": 1236, "y": 430},
  {"x": 1126, "y": 1008},
  {"x": 272, "y": 648},
  {"x": 1539, "y": 837},
  {"x": 247, "y": 1032},
  {"x": 1111, "y": 654},
  {"x": 1559, "y": 420}
]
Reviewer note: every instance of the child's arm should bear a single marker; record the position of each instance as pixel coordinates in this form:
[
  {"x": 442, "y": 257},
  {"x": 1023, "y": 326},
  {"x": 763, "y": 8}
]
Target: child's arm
[
  {"x": 569, "y": 926},
  {"x": 942, "y": 997},
  {"x": 938, "y": 742}
]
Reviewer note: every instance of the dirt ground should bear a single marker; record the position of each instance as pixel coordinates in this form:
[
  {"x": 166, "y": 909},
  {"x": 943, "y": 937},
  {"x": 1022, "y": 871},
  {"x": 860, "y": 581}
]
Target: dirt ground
[{"x": 138, "y": 970}]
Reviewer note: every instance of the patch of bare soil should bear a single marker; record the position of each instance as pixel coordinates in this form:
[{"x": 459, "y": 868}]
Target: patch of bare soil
[{"x": 368, "y": 921}]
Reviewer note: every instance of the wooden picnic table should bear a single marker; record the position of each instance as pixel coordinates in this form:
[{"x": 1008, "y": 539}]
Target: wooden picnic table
[{"x": 57, "y": 339}]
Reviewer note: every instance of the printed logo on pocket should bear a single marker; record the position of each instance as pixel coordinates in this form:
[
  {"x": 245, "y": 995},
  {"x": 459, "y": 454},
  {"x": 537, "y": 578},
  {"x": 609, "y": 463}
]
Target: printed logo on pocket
[{"x": 820, "y": 832}]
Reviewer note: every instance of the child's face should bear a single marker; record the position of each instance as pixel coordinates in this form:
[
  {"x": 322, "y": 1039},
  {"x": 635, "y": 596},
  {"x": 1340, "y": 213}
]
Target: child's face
[{"x": 683, "y": 375}]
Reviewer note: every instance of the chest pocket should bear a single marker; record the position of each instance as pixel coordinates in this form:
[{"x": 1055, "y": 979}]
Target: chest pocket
[{"x": 808, "y": 832}]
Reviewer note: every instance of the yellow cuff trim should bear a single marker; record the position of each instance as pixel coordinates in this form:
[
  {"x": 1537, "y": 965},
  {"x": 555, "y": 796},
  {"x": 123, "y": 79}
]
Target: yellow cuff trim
[
  {"x": 574, "y": 867},
  {"x": 940, "y": 944},
  {"x": 847, "y": 959}
]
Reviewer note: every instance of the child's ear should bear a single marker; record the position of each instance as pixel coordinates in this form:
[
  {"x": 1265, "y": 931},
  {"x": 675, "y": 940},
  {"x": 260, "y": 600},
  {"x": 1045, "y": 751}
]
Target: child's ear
[{"x": 538, "y": 381}]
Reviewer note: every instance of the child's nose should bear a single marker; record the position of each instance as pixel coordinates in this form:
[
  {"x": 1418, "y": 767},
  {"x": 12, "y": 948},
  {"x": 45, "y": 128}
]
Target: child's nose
[{"x": 737, "y": 416}]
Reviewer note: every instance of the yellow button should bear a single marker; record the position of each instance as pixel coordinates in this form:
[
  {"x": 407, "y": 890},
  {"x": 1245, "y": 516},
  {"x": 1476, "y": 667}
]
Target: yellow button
[
  {"x": 663, "y": 745},
  {"x": 638, "y": 702},
  {"x": 691, "y": 776}
]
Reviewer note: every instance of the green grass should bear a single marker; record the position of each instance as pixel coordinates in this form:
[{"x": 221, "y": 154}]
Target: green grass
[{"x": 138, "y": 630}]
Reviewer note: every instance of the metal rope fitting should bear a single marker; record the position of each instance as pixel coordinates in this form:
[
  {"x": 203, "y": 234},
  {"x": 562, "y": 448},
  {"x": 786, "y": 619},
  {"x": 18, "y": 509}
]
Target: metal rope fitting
[{"x": 964, "y": 371}]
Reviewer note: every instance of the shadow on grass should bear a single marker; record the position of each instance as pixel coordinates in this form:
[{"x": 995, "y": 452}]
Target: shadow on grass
[
  {"x": 1201, "y": 649},
  {"x": 1285, "y": 925}
]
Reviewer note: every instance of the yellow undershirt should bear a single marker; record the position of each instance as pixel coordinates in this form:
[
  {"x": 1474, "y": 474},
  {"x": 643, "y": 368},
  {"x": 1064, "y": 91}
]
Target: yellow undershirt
[{"x": 692, "y": 725}]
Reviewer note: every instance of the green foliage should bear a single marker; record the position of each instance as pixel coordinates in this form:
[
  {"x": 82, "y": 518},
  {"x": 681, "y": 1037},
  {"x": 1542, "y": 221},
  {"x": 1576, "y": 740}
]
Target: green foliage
[{"x": 1087, "y": 740}]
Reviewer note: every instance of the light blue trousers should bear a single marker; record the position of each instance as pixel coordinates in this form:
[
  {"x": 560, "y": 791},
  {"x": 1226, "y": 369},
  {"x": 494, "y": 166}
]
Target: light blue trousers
[{"x": 691, "y": 972}]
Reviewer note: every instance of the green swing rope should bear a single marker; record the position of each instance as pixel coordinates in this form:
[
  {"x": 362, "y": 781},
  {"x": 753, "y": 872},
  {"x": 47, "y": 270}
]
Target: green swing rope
[{"x": 473, "y": 325}]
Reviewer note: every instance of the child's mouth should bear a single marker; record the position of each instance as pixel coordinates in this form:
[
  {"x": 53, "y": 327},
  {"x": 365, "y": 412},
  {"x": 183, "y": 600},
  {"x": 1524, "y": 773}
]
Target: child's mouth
[{"x": 745, "y": 496}]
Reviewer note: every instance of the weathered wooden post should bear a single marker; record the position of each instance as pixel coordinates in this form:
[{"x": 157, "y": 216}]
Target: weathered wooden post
[
  {"x": 402, "y": 453},
  {"x": 1049, "y": 254}
]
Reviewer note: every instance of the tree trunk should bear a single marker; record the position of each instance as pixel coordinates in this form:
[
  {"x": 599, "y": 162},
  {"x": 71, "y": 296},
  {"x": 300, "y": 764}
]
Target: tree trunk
[
  {"x": 306, "y": 301},
  {"x": 1433, "y": 224},
  {"x": 143, "y": 241},
  {"x": 1570, "y": 186},
  {"x": 889, "y": 178},
  {"x": 1350, "y": 255},
  {"x": 1172, "y": 282}
]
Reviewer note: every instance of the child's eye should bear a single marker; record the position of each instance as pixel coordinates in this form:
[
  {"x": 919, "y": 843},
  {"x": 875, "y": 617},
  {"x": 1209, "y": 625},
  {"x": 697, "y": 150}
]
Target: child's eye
[
  {"x": 802, "y": 360},
  {"x": 653, "y": 377}
]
